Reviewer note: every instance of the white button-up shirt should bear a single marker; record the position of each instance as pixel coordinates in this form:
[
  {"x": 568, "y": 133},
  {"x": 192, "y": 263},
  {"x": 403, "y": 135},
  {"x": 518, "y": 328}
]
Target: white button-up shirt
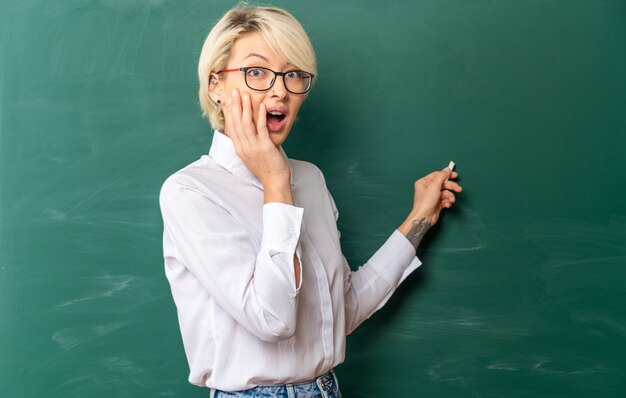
[{"x": 229, "y": 259}]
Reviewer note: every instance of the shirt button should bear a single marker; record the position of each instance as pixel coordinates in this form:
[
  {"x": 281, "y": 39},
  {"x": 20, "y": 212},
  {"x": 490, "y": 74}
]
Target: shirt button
[{"x": 292, "y": 231}]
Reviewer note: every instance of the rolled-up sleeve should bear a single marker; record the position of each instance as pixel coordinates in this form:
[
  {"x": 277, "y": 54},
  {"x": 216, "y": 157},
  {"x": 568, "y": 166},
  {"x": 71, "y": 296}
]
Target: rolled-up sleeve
[
  {"x": 370, "y": 287},
  {"x": 255, "y": 286}
]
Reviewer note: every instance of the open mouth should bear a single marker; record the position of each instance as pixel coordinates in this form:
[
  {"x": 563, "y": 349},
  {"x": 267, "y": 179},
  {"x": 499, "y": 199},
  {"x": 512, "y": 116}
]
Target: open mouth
[{"x": 275, "y": 120}]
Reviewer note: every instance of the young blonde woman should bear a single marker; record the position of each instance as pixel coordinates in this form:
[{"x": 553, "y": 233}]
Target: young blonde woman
[{"x": 265, "y": 297}]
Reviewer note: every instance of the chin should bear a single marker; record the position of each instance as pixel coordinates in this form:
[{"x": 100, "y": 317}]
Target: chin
[{"x": 279, "y": 137}]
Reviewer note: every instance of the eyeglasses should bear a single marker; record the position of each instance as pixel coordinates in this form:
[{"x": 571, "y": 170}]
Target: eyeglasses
[{"x": 261, "y": 79}]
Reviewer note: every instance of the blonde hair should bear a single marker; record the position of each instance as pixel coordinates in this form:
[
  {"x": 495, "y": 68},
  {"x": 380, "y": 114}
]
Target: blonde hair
[{"x": 281, "y": 30}]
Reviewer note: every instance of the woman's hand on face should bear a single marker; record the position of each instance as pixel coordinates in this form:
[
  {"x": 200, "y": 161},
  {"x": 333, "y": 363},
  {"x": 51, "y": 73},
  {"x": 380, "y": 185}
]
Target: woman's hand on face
[
  {"x": 433, "y": 193},
  {"x": 253, "y": 143}
]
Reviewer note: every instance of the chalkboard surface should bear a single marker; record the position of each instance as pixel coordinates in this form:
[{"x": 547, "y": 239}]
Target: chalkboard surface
[{"x": 523, "y": 284}]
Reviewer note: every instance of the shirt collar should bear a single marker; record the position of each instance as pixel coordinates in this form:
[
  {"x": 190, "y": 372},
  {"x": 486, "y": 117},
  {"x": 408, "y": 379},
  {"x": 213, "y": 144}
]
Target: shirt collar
[{"x": 223, "y": 153}]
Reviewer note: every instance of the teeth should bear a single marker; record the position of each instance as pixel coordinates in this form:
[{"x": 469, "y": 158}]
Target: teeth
[{"x": 275, "y": 113}]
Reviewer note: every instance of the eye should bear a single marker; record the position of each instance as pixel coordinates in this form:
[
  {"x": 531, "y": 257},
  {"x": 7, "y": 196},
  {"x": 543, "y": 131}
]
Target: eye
[
  {"x": 256, "y": 73},
  {"x": 296, "y": 75}
]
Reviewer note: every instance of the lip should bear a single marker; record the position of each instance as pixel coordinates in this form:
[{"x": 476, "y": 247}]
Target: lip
[
  {"x": 276, "y": 127},
  {"x": 277, "y": 108}
]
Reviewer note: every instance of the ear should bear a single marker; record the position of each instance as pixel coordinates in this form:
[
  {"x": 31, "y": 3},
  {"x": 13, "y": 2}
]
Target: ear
[{"x": 215, "y": 87}]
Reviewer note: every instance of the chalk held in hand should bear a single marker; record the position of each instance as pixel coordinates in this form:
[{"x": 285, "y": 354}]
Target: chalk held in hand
[{"x": 451, "y": 167}]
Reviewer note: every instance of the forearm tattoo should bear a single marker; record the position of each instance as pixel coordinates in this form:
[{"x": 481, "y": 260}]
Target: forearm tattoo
[{"x": 417, "y": 232}]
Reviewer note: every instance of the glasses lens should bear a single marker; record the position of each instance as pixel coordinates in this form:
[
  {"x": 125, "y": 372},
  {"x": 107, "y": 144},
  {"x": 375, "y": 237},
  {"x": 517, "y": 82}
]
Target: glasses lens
[
  {"x": 298, "y": 81},
  {"x": 259, "y": 78}
]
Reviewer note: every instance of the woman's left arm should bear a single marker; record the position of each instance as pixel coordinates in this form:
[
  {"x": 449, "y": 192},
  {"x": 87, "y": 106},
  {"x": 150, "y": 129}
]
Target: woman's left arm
[
  {"x": 368, "y": 288},
  {"x": 433, "y": 193}
]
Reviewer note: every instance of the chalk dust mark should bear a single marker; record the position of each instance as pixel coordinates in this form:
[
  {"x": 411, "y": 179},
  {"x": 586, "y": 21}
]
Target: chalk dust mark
[
  {"x": 592, "y": 260},
  {"x": 73, "y": 337},
  {"x": 547, "y": 365},
  {"x": 116, "y": 285},
  {"x": 457, "y": 249}
]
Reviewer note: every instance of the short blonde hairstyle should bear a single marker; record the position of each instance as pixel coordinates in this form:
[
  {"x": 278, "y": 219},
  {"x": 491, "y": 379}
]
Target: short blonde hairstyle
[{"x": 281, "y": 30}]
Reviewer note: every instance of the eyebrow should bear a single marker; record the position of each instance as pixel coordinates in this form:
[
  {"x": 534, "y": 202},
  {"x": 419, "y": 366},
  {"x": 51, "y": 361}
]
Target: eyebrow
[
  {"x": 257, "y": 55},
  {"x": 262, "y": 57}
]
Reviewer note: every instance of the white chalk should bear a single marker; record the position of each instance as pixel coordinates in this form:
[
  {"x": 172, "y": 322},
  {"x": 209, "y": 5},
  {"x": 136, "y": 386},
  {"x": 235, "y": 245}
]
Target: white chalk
[{"x": 451, "y": 167}]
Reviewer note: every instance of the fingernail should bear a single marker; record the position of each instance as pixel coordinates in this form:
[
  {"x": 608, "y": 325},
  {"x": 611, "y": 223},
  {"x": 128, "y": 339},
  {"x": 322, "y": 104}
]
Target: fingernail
[{"x": 234, "y": 93}]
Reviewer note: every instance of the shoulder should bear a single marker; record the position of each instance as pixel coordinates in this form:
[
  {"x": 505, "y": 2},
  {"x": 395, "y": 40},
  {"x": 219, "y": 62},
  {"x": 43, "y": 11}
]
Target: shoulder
[
  {"x": 201, "y": 176},
  {"x": 306, "y": 172},
  {"x": 312, "y": 187}
]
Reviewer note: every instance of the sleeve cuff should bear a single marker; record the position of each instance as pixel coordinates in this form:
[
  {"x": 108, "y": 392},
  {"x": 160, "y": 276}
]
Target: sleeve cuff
[
  {"x": 299, "y": 255},
  {"x": 397, "y": 270},
  {"x": 281, "y": 227},
  {"x": 395, "y": 259}
]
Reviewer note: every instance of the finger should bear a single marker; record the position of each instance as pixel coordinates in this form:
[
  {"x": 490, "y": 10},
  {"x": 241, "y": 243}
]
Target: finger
[
  {"x": 447, "y": 200},
  {"x": 232, "y": 131},
  {"x": 448, "y": 196},
  {"x": 439, "y": 177},
  {"x": 246, "y": 118},
  {"x": 445, "y": 204},
  {"x": 261, "y": 121},
  {"x": 431, "y": 177},
  {"x": 228, "y": 116},
  {"x": 436, "y": 177},
  {"x": 452, "y": 186},
  {"x": 235, "y": 110},
  {"x": 453, "y": 175}
]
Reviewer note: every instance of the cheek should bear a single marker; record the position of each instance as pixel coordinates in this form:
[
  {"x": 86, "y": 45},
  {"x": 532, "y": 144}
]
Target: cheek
[{"x": 295, "y": 108}]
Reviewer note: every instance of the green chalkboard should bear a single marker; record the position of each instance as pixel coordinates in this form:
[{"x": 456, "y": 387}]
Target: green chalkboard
[{"x": 522, "y": 289}]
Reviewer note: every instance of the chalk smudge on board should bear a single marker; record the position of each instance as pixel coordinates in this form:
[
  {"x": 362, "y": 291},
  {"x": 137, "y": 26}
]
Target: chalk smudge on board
[{"x": 72, "y": 337}]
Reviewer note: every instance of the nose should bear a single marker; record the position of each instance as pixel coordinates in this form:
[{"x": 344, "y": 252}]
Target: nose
[{"x": 278, "y": 90}]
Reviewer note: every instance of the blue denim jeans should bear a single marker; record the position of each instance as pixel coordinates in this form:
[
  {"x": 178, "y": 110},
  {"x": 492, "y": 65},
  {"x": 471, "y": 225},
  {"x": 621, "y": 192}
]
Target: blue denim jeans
[{"x": 323, "y": 387}]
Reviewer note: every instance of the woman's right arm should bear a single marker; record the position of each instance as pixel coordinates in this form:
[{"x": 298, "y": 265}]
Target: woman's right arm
[
  {"x": 255, "y": 147},
  {"x": 256, "y": 287}
]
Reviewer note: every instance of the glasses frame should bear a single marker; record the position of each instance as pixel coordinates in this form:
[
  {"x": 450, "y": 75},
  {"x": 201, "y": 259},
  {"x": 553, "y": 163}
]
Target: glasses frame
[{"x": 245, "y": 77}]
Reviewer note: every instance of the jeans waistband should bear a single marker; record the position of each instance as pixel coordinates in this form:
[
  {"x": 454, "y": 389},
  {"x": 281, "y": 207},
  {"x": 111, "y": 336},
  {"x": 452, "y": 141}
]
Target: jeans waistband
[{"x": 326, "y": 385}]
